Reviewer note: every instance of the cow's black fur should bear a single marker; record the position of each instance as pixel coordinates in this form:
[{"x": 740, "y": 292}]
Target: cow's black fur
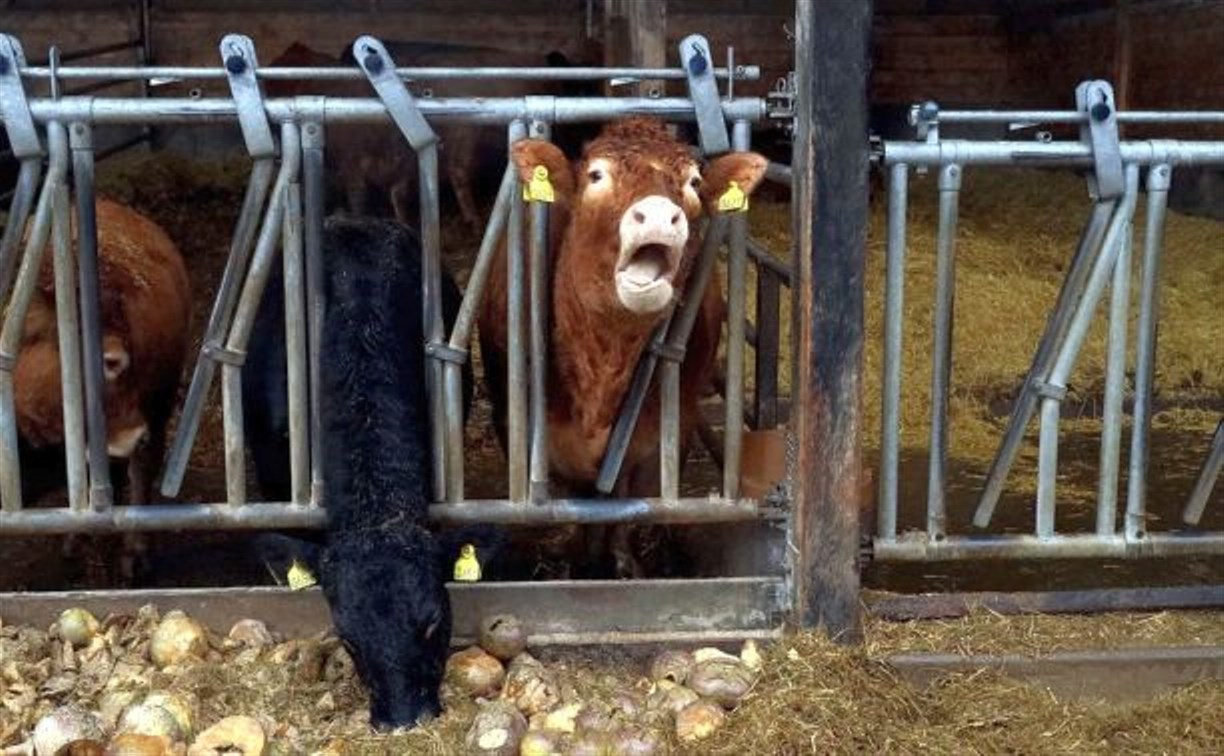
[{"x": 381, "y": 567}]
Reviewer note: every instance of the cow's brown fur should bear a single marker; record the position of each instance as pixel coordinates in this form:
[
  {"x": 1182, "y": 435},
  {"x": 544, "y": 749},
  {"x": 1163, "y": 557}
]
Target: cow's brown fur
[
  {"x": 145, "y": 302},
  {"x": 595, "y": 341}
]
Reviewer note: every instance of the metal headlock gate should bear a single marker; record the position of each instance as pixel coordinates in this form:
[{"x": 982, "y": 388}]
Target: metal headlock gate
[
  {"x": 283, "y": 209},
  {"x": 1102, "y": 259}
]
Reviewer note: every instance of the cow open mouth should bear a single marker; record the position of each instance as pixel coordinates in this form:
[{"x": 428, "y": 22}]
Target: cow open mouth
[{"x": 645, "y": 276}]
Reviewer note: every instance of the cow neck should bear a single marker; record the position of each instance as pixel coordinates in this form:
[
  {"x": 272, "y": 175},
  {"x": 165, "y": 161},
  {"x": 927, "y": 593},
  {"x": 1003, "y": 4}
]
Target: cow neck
[{"x": 594, "y": 352}]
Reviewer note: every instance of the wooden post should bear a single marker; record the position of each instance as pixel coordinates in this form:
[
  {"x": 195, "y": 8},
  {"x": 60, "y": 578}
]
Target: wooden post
[
  {"x": 830, "y": 162},
  {"x": 635, "y": 34}
]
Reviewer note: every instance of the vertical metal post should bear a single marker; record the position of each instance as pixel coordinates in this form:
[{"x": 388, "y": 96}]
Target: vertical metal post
[
  {"x": 941, "y": 361},
  {"x": 14, "y": 324},
  {"x": 295, "y": 346},
  {"x": 832, "y": 55},
  {"x": 737, "y": 252},
  {"x": 67, "y": 322},
  {"x": 234, "y": 351},
  {"x": 1115, "y": 385},
  {"x": 539, "y": 339},
  {"x": 1158, "y": 179},
  {"x": 431, "y": 242},
  {"x": 894, "y": 292},
  {"x": 516, "y": 420},
  {"x": 1205, "y": 482},
  {"x": 1053, "y": 389},
  {"x": 313, "y": 194},
  {"x": 218, "y": 323},
  {"x": 15, "y": 223},
  {"x": 1056, "y": 328},
  {"x": 101, "y": 495}
]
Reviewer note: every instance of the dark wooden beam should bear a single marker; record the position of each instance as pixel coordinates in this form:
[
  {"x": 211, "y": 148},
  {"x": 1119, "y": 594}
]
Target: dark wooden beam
[
  {"x": 832, "y": 50},
  {"x": 636, "y": 35}
]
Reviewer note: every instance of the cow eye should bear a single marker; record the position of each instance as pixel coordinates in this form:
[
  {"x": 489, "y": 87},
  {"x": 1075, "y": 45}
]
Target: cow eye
[
  {"x": 595, "y": 175},
  {"x": 695, "y": 182}
]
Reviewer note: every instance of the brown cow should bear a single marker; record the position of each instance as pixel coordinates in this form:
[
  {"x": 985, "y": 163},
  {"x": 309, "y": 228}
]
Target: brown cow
[
  {"x": 621, "y": 251},
  {"x": 145, "y": 302}
]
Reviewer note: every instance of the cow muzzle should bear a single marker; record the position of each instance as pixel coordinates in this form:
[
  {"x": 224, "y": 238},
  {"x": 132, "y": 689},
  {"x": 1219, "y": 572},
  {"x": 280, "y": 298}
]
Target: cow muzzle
[
  {"x": 122, "y": 443},
  {"x": 653, "y": 234}
]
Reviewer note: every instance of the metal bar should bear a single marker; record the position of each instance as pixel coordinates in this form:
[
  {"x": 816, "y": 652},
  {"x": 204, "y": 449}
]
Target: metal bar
[
  {"x": 344, "y": 73},
  {"x": 461, "y": 332},
  {"x": 24, "y": 192},
  {"x": 941, "y": 360},
  {"x": 1068, "y": 351},
  {"x": 152, "y": 517},
  {"x": 1115, "y": 386},
  {"x": 765, "y": 259},
  {"x": 766, "y": 346},
  {"x": 297, "y": 389},
  {"x": 1065, "y": 153},
  {"x": 101, "y": 495},
  {"x": 894, "y": 292},
  {"x": 314, "y": 194},
  {"x": 1056, "y": 327},
  {"x": 539, "y": 309},
  {"x": 244, "y": 316},
  {"x": 737, "y": 274},
  {"x": 431, "y": 243},
  {"x": 928, "y": 606},
  {"x": 1206, "y": 480},
  {"x": 916, "y": 548},
  {"x": 67, "y": 324},
  {"x": 603, "y": 511},
  {"x": 678, "y": 328},
  {"x": 779, "y": 173},
  {"x": 490, "y": 110},
  {"x": 1158, "y": 180},
  {"x": 14, "y": 325},
  {"x": 516, "y": 420},
  {"x": 218, "y": 323},
  {"x": 1075, "y": 117},
  {"x": 562, "y": 611}
]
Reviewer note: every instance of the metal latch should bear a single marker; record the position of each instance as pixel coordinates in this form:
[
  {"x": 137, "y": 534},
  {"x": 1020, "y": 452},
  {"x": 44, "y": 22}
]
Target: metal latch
[
  {"x": 703, "y": 91},
  {"x": 373, "y": 58},
  {"x": 238, "y": 57},
  {"x": 1096, "y": 99},
  {"x": 18, "y": 122}
]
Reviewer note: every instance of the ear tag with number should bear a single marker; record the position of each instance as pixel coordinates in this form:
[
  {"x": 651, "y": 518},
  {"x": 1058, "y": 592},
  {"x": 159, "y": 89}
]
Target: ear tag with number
[
  {"x": 733, "y": 200},
  {"x": 300, "y": 577},
  {"x": 467, "y": 568},
  {"x": 539, "y": 188}
]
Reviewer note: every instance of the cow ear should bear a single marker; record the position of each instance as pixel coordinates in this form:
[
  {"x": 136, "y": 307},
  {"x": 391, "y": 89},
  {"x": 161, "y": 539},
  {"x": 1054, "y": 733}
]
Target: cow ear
[
  {"x": 529, "y": 154},
  {"x": 115, "y": 360},
  {"x": 746, "y": 169}
]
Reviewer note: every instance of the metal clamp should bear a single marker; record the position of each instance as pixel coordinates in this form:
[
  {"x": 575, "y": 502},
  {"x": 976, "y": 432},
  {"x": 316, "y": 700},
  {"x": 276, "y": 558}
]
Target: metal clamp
[
  {"x": 442, "y": 351},
  {"x": 238, "y": 56},
  {"x": 925, "y": 120},
  {"x": 380, "y": 70},
  {"x": 1050, "y": 390},
  {"x": 1096, "y": 99},
  {"x": 219, "y": 353},
  {"x": 703, "y": 91},
  {"x": 669, "y": 352},
  {"x": 14, "y": 108}
]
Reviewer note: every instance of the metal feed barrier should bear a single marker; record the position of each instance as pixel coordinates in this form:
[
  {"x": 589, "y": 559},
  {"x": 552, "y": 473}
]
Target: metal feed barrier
[
  {"x": 283, "y": 209},
  {"x": 1103, "y": 258}
]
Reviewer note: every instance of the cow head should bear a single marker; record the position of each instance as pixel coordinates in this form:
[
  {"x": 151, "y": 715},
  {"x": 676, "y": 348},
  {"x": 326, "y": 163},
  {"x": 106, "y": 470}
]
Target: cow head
[
  {"x": 39, "y": 398},
  {"x": 631, "y": 202}
]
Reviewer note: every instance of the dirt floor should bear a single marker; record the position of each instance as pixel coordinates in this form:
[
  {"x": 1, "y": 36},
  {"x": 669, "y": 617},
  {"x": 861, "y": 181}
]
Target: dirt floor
[{"x": 809, "y": 696}]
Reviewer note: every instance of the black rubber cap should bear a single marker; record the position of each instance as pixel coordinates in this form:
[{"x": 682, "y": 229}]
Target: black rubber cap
[
  {"x": 1100, "y": 111},
  {"x": 4, "y": 65},
  {"x": 373, "y": 63},
  {"x": 235, "y": 64},
  {"x": 697, "y": 64}
]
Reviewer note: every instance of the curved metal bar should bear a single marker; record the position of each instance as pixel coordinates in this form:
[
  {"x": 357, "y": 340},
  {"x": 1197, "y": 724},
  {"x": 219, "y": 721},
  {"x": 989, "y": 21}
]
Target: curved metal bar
[{"x": 345, "y": 73}]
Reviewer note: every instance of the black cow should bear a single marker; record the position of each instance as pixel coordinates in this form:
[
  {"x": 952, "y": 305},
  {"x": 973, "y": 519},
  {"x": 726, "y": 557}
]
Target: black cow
[{"x": 382, "y": 569}]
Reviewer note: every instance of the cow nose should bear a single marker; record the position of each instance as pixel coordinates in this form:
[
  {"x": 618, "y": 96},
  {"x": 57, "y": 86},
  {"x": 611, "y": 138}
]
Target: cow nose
[{"x": 655, "y": 212}]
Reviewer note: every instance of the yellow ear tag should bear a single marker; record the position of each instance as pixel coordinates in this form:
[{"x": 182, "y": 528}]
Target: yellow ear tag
[
  {"x": 467, "y": 569},
  {"x": 539, "y": 188},
  {"x": 733, "y": 200},
  {"x": 300, "y": 577}
]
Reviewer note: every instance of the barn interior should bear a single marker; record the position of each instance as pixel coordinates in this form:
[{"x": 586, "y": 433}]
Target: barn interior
[{"x": 1018, "y": 228}]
